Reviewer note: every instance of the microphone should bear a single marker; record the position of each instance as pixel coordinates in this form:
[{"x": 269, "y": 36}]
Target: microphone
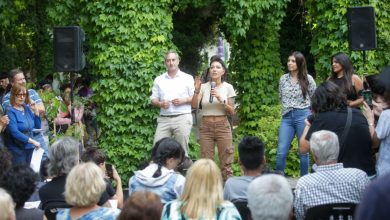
[{"x": 213, "y": 85}]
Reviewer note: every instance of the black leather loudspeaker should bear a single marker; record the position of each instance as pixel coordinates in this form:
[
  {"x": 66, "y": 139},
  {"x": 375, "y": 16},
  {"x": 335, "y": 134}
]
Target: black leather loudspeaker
[
  {"x": 361, "y": 28},
  {"x": 68, "y": 49}
]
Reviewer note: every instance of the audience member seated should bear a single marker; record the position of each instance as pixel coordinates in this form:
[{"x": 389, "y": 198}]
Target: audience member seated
[
  {"x": 6, "y": 206},
  {"x": 142, "y": 205},
  {"x": 270, "y": 197},
  {"x": 93, "y": 154},
  {"x": 251, "y": 159},
  {"x": 20, "y": 182},
  {"x": 331, "y": 183},
  {"x": 64, "y": 155},
  {"x": 375, "y": 201},
  {"x": 202, "y": 197},
  {"x": 329, "y": 107},
  {"x": 5, "y": 161},
  {"x": 84, "y": 186},
  {"x": 159, "y": 176}
]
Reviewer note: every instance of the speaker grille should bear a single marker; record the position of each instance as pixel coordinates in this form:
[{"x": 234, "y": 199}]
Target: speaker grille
[
  {"x": 361, "y": 28},
  {"x": 68, "y": 49}
]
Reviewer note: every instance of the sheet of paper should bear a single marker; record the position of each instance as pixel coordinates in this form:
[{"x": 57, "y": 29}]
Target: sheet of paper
[
  {"x": 36, "y": 159},
  {"x": 31, "y": 205}
]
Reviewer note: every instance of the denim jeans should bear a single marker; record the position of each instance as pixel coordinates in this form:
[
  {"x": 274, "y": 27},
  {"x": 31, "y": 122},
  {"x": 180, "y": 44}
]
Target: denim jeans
[{"x": 292, "y": 124}]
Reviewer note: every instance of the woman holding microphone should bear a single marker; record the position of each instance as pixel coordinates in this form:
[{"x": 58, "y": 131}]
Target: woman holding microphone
[{"x": 217, "y": 99}]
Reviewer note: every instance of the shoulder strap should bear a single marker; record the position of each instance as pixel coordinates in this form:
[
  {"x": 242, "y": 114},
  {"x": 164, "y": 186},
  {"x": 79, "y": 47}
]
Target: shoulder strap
[{"x": 345, "y": 132}]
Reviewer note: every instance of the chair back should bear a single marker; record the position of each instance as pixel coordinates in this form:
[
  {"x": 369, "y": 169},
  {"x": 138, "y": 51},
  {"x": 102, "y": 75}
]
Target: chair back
[
  {"x": 331, "y": 211},
  {"x": 242, "y": 207}
]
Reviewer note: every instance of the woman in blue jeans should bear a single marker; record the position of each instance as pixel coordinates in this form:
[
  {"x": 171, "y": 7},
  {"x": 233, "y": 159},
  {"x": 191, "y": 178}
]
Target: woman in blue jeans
[{"x": 295, "y": 89}]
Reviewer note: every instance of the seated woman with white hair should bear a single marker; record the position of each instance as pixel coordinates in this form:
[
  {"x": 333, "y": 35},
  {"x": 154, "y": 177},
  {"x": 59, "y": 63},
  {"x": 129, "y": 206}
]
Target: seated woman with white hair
[{"x": 84, "y": 186}]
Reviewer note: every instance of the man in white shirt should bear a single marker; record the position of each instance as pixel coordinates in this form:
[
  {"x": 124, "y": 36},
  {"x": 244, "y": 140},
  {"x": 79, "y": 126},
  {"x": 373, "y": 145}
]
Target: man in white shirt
[{"x": 172, "y": 92}]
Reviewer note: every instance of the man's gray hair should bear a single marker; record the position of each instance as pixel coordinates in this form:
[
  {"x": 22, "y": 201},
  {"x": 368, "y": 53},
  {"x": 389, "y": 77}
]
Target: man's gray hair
[
  {"x": 325, "y": 146},
  {"x": 64, "y": 155},
  {"x": 270, "y": 197},
  {"x": 171, "y": 51}
]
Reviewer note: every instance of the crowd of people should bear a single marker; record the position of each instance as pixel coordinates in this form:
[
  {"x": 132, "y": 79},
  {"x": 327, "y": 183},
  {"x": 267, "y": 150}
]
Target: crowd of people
[{"x": 331, "y": 121}]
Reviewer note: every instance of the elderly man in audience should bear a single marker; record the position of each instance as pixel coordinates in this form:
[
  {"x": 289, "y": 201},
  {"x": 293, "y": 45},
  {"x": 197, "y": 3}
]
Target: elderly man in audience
[
  {"x": 251, "y": 159},
  {"x": 331, "y": 183},
  {"x": 270, "y": 197}
]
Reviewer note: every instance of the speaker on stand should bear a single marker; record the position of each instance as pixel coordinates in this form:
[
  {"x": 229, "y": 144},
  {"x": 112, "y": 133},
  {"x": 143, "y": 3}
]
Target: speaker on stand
[
  {"x": 68, "y": 54},
  {"x": 361, "y": 29}
]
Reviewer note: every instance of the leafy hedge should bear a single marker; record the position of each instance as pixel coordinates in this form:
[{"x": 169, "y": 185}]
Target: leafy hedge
[
  {"x": 328, "y": 21},
  {"x": 127, "y": 44},
  {"x": 252, "y": 29},
  {"x": 126, "y": 41}
]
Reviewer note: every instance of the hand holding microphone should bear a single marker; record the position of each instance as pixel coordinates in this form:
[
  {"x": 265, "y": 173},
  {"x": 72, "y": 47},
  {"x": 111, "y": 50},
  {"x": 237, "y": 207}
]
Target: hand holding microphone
[{"x": 213, "y": 85}]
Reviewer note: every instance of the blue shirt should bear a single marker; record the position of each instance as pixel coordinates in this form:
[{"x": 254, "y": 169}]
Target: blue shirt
[
  {"x": 225, "y": 211},
  {"x": 101, "y": 213},
  {"x": 21, "y": 124},
  {"x": 383, "y": 132}
]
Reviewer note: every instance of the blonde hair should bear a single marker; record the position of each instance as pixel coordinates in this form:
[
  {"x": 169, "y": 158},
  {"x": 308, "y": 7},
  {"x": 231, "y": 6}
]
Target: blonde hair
[
  {"x": 203, "y": 191},
  {"x": 6, "y": 206},
  {"x": 84, "y": 185}
]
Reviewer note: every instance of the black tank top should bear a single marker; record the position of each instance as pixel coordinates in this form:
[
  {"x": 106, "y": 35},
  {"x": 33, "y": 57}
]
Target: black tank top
[{"x": 351, "y": 93}]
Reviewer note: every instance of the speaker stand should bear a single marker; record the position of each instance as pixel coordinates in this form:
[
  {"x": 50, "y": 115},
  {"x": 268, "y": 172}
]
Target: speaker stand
[
  {"x": 364, "y": 62},
  {"x": 72, "y": 83}
]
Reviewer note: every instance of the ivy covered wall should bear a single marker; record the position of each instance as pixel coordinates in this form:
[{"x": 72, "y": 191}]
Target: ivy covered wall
[
  {"x": 328, "y": 21},
  {"x": 127, "y": 45},
  {"x": 126, "y": 41}
]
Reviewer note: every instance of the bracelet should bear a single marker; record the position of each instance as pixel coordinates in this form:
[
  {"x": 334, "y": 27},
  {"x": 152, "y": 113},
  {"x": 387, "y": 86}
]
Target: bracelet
[
  {"x": 196, "y": 92},
  {"x": 371, "y": 124}
]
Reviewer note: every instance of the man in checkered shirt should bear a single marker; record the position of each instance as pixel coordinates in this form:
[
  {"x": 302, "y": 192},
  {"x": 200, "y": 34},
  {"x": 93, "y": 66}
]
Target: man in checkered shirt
[{"x": 331, "y": 183}]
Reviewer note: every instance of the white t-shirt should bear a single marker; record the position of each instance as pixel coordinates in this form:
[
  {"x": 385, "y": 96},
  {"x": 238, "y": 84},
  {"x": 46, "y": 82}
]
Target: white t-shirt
[{"x": 216, "y": 108}]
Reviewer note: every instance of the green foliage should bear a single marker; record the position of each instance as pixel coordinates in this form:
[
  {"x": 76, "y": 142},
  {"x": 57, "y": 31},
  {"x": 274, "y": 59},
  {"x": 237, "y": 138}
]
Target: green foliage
[
  {"x": 328, "y": 22},
  {"x": 126, "y": 54},
  {"x": 24, "y": 37},
  {"x": 267, "y": 129},
  {"x": 52, "y": 104},
  {"x": 252, "y": 28},
  {"x": 194, "y": 28}
]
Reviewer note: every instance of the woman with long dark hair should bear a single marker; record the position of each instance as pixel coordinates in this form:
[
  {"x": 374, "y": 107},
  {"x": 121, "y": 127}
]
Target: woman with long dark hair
[
  {"x": 295, "y": 89},
  {"x": 343, "y": 75},
  {"x": 160, "y": 176},
  {"x": 329, "y": 107}
]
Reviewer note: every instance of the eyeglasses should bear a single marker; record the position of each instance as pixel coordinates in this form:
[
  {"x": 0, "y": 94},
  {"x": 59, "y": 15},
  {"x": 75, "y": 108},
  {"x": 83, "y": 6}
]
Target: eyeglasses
[{"x": 20, "y": 95}]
